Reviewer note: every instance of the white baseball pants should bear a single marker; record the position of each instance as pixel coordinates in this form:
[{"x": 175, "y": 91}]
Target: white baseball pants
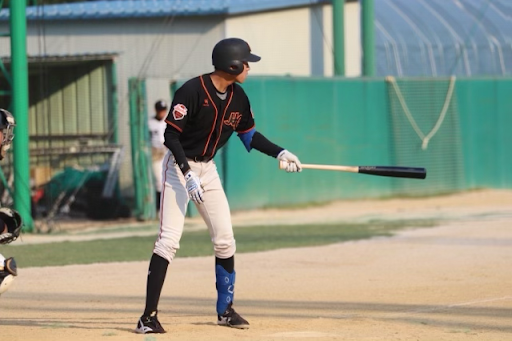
[{"x": 214, "y": 210}]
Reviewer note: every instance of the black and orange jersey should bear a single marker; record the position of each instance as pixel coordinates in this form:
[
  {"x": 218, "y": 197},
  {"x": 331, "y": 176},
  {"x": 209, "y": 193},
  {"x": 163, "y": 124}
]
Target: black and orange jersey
[{"x": 205, "y": 122}]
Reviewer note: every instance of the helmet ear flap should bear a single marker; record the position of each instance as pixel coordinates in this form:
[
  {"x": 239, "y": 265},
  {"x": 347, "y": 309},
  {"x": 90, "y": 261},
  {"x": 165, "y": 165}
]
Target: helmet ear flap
[{"x": 235, "y": 67}]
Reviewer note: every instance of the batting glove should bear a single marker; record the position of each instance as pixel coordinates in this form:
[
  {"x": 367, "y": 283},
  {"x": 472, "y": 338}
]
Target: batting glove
[
  {"x": 293, "y": 163},
  {"x": 195, "y": 191}
]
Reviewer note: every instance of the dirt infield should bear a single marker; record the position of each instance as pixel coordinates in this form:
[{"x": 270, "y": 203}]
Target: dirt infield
[{"x": 451, "y": 282}]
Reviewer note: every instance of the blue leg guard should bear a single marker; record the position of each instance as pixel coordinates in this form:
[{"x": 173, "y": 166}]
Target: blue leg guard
[{"x": 225, "y": 288}]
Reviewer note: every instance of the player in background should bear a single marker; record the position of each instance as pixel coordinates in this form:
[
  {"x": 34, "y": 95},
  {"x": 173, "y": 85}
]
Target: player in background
[
  {"x": 10, "y": 220},
  {"x": 157, "y": 127},
  {"x": 205, "y": 112}
]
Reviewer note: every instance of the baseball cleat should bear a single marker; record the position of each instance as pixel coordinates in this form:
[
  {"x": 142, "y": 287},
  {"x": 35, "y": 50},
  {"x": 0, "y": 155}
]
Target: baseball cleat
[
  {"x": 232, "y": 319},
  {"x": 149, "y": 325}
]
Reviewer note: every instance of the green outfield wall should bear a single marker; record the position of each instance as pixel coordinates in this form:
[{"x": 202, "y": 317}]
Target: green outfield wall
[
  {"x": 343, "y": 121},
  {"x": 486, "y": 120}
]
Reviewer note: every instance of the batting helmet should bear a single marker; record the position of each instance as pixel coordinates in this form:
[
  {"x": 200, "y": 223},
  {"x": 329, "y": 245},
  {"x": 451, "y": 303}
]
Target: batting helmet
[
  {"x": 7, "y": 124},
  {"x": 160, "y": 105},
  {"x": 230, "y": 54}
]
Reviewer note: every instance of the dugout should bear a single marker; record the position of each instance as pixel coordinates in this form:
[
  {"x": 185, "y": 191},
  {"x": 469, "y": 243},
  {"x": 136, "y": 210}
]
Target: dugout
[{"x": 72, "y": 122}]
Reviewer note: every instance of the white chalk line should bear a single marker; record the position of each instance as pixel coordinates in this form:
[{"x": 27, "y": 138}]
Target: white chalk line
[{"x": 455, "y": 305}]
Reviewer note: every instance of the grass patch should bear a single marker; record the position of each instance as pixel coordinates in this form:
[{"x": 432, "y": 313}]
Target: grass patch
[{"x": 197, "y": 243}]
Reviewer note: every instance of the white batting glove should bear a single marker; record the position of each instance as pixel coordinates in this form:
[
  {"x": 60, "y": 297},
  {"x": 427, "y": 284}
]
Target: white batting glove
[
  {"x": 195, "y": 191},
  {"x": 293, "y": 163}
]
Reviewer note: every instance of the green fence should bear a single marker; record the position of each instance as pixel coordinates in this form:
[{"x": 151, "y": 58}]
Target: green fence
[
  {"x": 426, "y": 131},
  {"x": 486, "y": 108},
  {"x": 143, "y": 184},
  {"x": 322, "y": 121},
  {"x": 456, "y": 128}
]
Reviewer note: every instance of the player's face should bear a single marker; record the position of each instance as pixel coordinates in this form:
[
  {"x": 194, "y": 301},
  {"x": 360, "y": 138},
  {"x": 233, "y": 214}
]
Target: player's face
[
  {"x": 241, "y": 77},
  {"x": 161, "y": 114}
]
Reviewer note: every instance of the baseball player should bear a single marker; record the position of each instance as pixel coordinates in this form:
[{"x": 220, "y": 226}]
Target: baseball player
[
  {"x": 10, "y": 220},
  {"x": 204, "y": 113},
  {"x": 157, "y": 127}
]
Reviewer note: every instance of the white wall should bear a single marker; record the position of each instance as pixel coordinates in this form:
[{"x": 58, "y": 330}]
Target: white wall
[
  {"x": 298, "y": 41},
  {"x": 353, "y": 49},
  {"x": 328, "y": 43},
  {"x": 157, "y": 89},
  {"x": 352, "y": 37},
  {"x": 281, "y": 38}
]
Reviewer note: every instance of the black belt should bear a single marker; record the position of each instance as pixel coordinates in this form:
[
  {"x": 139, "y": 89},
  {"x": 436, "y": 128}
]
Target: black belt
[{"x": 200, "y": 158}]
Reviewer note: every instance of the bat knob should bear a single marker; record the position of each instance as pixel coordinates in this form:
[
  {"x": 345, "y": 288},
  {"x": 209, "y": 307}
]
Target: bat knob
[{"x": 282, "y": 164}]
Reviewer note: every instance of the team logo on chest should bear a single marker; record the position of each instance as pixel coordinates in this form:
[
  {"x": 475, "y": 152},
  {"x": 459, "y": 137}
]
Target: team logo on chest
[
  {"x": 233, "y": 120},
  {"x": 179, "y": 111}
]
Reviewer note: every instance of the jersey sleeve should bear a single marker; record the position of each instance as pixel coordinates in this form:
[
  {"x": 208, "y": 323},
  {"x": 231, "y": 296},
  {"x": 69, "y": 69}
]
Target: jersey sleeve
[
  {"x": 183, "y": 106},
  {"x": 247, "y": 121}
]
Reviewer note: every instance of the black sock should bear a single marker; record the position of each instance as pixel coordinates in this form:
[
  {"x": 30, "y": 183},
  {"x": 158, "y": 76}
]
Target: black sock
[
  {"x": 228, "y": 264},
  {"x": 156, "y": 277}
]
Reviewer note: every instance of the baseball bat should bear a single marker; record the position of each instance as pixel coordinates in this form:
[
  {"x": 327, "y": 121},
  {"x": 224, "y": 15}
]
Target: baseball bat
[{"x": 391, "y": 171}]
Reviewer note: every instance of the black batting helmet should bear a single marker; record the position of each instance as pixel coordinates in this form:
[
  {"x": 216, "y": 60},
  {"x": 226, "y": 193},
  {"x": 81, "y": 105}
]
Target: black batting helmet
[
  {"x": 160, "y": 105},
  {"x": 230, "y": 54}
]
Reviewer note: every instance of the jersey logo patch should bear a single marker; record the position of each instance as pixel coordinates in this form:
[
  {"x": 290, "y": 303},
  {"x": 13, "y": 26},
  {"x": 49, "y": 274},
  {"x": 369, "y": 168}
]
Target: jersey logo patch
[
  {"x": 233, "y": 120},
  {"x": 206, "y": 104},
  {"x": 179, "y": 111}
]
